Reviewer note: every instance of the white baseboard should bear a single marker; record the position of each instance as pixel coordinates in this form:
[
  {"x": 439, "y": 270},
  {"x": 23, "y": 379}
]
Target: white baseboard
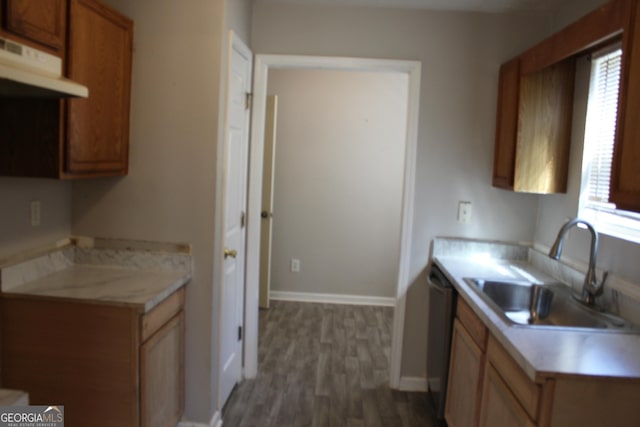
[
  {"x": 413, "y": 384},
  {"x": 331, "y": 298},
  {"x": 216, "y": 421}
]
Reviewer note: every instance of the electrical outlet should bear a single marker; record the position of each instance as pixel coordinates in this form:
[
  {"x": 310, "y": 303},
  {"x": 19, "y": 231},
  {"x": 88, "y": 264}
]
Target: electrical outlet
[
  {"x": 35, "y": 213},
  {"x": 295, "y": 265},
  {"x": 464, "y": 212}
]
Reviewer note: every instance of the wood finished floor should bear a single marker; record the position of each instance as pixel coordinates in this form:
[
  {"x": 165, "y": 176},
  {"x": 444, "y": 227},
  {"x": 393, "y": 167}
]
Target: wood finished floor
[{"x": 325, "y": 365}]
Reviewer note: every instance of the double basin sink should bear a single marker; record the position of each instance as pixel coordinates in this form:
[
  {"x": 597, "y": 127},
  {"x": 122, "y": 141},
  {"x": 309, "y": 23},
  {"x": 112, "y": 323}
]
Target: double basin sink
[{"x": 548, "y": 305}]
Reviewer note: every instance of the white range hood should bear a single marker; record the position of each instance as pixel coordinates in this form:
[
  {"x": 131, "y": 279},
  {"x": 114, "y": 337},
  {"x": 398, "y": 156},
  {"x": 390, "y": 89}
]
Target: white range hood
[{"x": 26, "y": 72}]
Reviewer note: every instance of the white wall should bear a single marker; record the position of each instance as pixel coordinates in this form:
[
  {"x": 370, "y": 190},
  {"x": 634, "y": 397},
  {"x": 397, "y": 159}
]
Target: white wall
[
  {"x": 16, "y": 232},
  {"x": 338, "y": 180},
  {"x": 171, "y": 192},
  {"x": 460, "y": 54}
]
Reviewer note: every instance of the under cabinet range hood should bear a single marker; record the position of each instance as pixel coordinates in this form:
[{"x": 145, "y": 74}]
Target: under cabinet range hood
[{"x": 26, "y": 72}]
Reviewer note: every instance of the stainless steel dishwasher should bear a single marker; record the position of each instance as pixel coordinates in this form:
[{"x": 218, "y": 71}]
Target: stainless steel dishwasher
[{"x": 442, "y": 302}]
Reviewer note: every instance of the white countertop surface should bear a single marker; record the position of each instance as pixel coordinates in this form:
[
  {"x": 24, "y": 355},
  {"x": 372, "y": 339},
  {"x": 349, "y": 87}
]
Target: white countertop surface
[
  {"x": 143, "y": 289},
  {"x": 543, "y": 353}
]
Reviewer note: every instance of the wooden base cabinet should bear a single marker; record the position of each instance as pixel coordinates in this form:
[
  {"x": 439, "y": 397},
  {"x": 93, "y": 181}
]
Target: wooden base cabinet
[
  {"x": 108, "y": 365},
  {"x": 500, "y": 408},
  {"x": 162, "y": 375},
  {"x": 509, "y": 397},
  {"x": 487, "y": 388},
  {"x": 466, "y": 369}
]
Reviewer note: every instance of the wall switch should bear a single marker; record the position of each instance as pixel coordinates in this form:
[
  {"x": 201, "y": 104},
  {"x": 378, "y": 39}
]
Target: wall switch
[
  {"x": 464, "y": 212},
  {"x": 295, "y": 265},
  {"x": 35, "y": 213}
]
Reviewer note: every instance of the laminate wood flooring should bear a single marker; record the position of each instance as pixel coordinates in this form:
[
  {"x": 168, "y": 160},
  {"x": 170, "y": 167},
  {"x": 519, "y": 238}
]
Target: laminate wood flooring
[{"x": 325, "y": 365}]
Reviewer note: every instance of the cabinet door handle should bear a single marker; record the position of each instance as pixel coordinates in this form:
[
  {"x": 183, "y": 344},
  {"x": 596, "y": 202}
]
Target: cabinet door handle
[{"x": 230, "y": 253}]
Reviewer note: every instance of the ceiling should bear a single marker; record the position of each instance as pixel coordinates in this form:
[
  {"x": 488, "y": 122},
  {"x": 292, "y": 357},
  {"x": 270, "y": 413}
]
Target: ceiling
[{"x": 493, "y": 6}]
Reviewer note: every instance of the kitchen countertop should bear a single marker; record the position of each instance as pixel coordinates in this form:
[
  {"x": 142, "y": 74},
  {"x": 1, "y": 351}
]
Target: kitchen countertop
[
  {"x": 111, "y": 285},
  {"x": 130, "y": 273},
  {"x": 543, "y": 353}
]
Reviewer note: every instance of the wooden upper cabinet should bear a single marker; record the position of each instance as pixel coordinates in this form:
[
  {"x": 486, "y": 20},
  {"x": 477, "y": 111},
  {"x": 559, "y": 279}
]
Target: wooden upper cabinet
[
  {"x": 74, "y": 138},
  {"x": 37, "y": 22},
  {"x": 535, "y": 105},
  {"x": 625, "y": 179},
  {"x": 507, "y": 125},
  {"x": 533, "y": 128},
  {"x": 544, "y": 129},
  {"x": 100, "y": 49}
]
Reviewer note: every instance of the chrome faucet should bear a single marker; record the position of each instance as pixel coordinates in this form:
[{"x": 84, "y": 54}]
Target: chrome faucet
[{"x": 591, "y": 288}]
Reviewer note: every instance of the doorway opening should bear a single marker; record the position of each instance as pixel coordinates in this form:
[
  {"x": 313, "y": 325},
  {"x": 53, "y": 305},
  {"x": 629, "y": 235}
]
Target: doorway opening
[{"x": 262, "y": 65}]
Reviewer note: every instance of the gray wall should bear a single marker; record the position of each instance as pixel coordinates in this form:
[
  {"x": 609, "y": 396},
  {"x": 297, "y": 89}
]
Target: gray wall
[
  {"x": 339, "y": 174},
  {"x": 179, "y": 72},
  {"x": 460, "y": 54},
  {"x": 16, "y": 232}
]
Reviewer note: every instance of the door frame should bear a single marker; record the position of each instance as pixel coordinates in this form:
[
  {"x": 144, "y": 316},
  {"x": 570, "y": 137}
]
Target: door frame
[{"x": 261, "y": 66}]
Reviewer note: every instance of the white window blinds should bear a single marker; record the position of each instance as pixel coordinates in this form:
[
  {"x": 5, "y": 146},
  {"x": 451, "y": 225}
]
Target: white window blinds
[{"x": 602, "y": 112}]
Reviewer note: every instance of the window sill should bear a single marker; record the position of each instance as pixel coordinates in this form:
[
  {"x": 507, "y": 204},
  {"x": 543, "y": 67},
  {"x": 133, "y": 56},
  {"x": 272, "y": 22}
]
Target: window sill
[{"x": 611, "y": 224}]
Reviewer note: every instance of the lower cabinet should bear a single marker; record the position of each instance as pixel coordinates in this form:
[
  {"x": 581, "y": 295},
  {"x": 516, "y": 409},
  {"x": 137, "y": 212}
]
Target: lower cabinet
[
  {"x": 108, "y": 365},
  {"x": 162, "y": 375},
  {"x": 466, "y": 369},
  {"x": 488, "y": 388},
  {"x": 509, "y": 397},
  {"x": 500, "y": 408}
]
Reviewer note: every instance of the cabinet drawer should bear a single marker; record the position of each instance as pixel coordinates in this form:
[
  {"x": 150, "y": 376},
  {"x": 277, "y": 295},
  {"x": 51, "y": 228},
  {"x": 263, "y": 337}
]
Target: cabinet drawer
[
  {"x": 526, "y": 391},
  {"x": 161, "y": 314},
  {"x": 472, "y": 323}
]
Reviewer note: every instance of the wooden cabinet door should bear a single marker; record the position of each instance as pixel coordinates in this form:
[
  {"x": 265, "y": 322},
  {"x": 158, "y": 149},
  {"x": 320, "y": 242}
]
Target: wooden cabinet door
[
  {"x": 99, "y": 56},
  {"x": 507, "y": 125},
  {"x": 544, "y": 129},
  {"x": 465, "y": 379},
  {"x": 41, "y": 22},
  {"x": 625, "y": 179},
  {"x": 533, "y": 128},
  {"x": 162, "y": 375},
  {"x": 500, "y": 408}
]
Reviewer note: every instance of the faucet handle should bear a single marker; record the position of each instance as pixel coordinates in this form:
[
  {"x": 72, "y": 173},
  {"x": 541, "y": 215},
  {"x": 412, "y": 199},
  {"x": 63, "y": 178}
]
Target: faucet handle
[{"x": 600, "y": 288}]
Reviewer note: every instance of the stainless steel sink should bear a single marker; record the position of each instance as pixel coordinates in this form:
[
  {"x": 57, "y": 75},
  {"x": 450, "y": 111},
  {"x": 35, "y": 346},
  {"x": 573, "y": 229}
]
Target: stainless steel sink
[{"x": 548, "y": 305}]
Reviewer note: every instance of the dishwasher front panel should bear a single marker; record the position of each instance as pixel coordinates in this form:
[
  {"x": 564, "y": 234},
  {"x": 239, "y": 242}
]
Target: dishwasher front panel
[{"x": 441, "y": 312}]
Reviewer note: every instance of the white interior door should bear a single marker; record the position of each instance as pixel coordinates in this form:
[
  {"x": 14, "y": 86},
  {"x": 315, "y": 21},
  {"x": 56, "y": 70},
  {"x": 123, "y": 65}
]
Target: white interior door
[
  {"x": 235, "y": 202},
  {"x": 266, "y": 213}
]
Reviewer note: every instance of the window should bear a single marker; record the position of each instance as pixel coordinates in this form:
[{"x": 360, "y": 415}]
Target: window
[{"x": 602, "y": 112}]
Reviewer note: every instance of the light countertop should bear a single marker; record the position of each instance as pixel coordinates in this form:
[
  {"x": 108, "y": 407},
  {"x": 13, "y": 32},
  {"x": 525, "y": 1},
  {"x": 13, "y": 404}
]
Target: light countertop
[
  {"x": 139, "y": 288},
  {"x": 129, "y": 273},
  {"x": 543, "y": 353}
]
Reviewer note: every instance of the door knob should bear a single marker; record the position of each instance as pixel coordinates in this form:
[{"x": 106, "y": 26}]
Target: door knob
[
  {"x": 265, "y": 214},
  {"x": 230, "y": 253}
]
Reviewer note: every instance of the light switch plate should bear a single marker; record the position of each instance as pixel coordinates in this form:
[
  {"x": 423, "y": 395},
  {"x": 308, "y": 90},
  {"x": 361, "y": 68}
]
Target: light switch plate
[
  {"x": 295, "y": 265},
  {"x": 464, "y": 212}
]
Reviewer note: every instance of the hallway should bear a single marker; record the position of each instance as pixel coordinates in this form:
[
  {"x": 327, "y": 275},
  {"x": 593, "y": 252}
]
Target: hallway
[{"x": 324, "y": 365}]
